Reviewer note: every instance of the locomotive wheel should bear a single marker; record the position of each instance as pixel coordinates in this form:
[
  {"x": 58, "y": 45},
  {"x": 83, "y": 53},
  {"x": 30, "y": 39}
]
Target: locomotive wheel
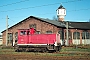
[
  {"x": 58, "y": 48},
  {"x": 44, "y": 50},
  {"x": 27, "y": 50}
]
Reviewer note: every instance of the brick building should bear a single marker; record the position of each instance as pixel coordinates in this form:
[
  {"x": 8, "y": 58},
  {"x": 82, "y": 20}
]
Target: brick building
[{"x": 78, "y": 32}]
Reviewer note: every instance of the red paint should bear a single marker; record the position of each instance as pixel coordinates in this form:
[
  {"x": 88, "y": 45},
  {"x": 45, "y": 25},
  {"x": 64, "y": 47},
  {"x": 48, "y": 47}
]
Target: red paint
[
  {"x": 42, "y": 38},
  {"x": 30, "y": 38}
]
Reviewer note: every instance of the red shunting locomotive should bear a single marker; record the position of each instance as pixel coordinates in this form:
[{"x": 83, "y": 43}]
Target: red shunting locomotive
[{"x": 29, "y": 41}]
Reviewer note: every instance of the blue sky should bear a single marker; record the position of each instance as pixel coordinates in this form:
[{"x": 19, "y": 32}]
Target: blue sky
[{"x": 18, "y": 10}]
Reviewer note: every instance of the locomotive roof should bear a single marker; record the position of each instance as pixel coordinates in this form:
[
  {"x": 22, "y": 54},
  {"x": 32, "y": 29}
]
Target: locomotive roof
[{"x": 74, "y": 25}]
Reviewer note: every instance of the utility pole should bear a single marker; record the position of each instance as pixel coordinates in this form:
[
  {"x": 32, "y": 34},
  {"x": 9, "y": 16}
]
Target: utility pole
[
  {"x": 76, "y": 40},
  {"x": 67, "y": 33},
  {"x": 6, "y": 29},
  {"x": 85, "y": 39}
]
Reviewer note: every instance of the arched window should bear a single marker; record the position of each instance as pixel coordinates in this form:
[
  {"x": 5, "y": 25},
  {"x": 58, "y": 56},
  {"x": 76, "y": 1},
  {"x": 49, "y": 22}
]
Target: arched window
[
  {"x": 76, "y": 35},
  {"x": 32, "y": 26},
  {"x": 69, "y": 35},
  {"x": 16, "y": 35},
  {"x": 10, "y": 38},
  {"x": 85, "y": 35}
]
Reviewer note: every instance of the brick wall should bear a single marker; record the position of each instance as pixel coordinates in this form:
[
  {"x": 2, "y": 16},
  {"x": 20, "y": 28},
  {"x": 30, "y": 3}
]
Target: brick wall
[{"x": 40, "y": 26}]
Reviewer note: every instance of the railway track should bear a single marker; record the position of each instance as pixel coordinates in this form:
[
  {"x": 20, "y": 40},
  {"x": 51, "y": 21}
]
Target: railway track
[{"x": 10, "y": 54}]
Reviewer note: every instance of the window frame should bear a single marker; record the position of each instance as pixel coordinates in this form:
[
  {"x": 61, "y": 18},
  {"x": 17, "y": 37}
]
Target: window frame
[{"x": 76, "y": 35}]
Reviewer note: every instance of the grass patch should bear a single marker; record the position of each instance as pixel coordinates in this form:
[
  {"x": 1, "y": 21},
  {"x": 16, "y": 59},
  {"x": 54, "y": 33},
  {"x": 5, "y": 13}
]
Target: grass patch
[{"x": 75, "y": 49}]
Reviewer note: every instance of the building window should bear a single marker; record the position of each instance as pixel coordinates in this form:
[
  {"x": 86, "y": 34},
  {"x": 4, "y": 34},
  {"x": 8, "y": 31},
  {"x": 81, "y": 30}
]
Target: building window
[
  {"x": 85, "y": 35},
  {"x": 69, "y": 35},
  {"x": 76, "y": 35},
  {"x": 58, "y": 11},
  {"x": 37, "y": 32},
  {"x": 60, "y": 32},
  {"x": 49, "y": 32},
  {"x": 64, "y": 11},
  {"x": 0, "y": 36},
  {"x": 10, "y": 38},
  {"x": 32, "y": 26},
  {"x": 16, "y": 36}
]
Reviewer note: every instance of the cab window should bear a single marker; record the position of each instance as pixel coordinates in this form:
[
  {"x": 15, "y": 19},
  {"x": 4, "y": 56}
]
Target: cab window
[{"x": 23, "y": 33}]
